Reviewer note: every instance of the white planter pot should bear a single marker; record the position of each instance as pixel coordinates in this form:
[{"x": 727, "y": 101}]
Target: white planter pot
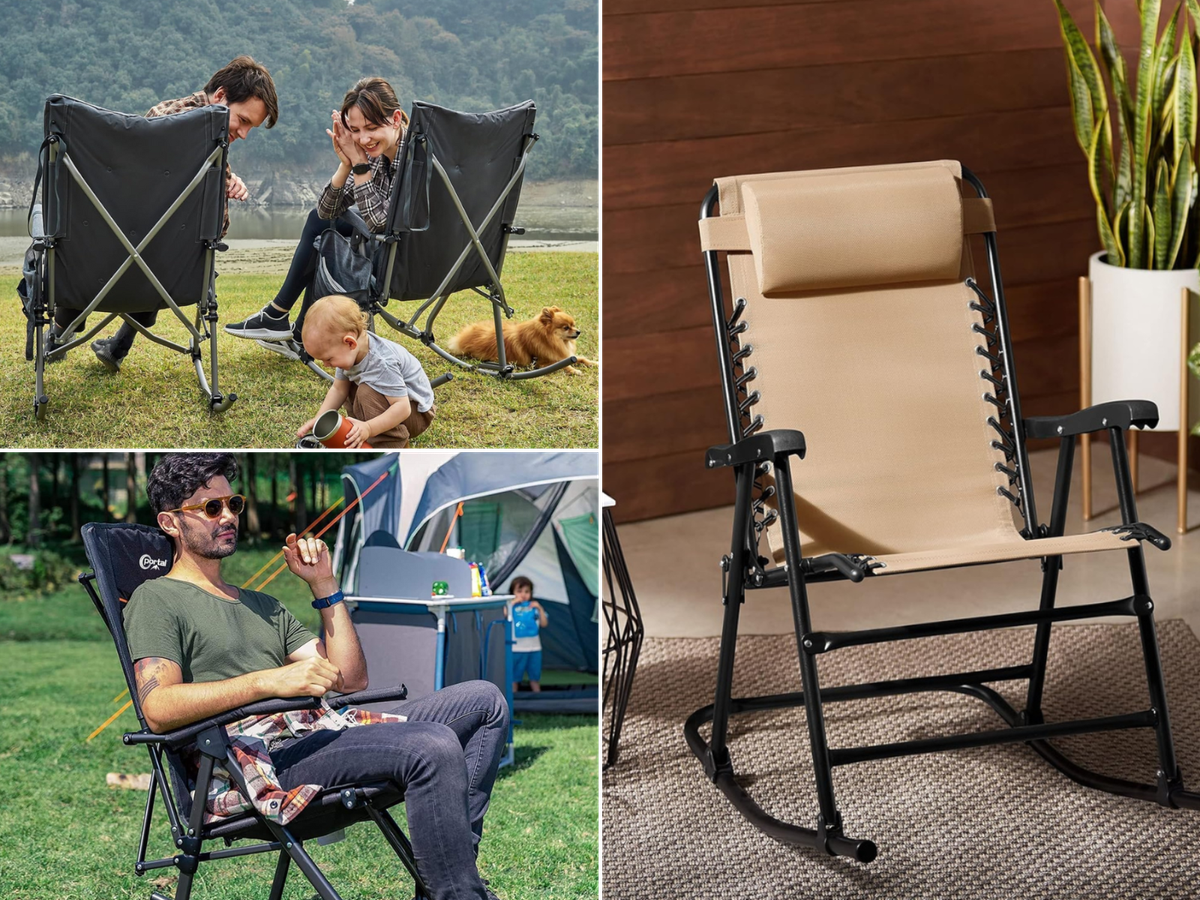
[{"x": 1136, "y": 338}]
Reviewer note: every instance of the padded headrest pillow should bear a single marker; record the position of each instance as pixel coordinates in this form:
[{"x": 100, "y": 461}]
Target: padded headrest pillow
[{"x": 852, "y": 229}]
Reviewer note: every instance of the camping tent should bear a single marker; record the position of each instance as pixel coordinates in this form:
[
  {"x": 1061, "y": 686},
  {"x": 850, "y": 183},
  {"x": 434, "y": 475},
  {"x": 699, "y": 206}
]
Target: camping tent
[{"x": 533, "y": 514}]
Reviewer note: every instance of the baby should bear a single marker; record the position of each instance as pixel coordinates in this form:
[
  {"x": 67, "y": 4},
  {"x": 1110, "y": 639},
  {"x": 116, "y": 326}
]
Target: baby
[{"x": 386, "y": 393}]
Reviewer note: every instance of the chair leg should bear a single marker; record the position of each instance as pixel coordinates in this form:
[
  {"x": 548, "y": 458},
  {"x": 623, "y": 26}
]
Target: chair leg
[
  {"x": 829, "y": 824},
  {"x": 281, "y": 872},
  {"x": 304, "y": 862},
  {"x": 399, "y": 844},
  {"x": 735, "y": 593}
]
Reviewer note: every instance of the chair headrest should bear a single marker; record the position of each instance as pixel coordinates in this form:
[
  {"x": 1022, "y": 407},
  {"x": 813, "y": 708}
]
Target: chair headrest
[
  {"x": 854, "y": 228},
  {"x": 125, "y": 556}
]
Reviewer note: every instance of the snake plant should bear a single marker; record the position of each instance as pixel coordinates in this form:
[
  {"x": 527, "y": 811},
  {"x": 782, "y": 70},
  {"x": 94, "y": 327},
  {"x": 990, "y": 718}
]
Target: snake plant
[{"x": 1145, "y": 184}]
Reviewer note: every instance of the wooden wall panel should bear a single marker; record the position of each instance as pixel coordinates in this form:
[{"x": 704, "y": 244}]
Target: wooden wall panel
[{"x": 701, "y": 88}]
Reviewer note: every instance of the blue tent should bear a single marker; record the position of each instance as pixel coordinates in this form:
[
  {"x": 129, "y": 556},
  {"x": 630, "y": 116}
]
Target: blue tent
[{"x": 518, "y": 513}]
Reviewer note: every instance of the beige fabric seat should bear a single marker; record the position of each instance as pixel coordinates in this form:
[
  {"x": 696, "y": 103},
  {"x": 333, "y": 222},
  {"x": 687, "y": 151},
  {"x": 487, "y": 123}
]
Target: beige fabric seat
[{"x": 884, "y": 379}]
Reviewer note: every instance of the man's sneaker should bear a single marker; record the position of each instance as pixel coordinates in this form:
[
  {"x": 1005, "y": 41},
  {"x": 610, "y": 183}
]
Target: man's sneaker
[
  {"x": 262, "y": 327},
  {"x": 285, "y": 348},
  {"x": 104, "y": 352}
]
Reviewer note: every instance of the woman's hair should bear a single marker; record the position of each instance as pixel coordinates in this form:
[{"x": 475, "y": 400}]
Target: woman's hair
[
  {"x": 180, "y": 475},
  {"x": 519, "y": 582},
  {"x": 375, "y": 99},
  {"x": 244, "y": 79},
  {"x": 337, "y": 314}
]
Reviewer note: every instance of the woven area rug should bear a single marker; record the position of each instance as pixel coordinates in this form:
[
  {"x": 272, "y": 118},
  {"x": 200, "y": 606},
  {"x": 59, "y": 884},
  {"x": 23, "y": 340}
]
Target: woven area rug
[{"x": 994, "y": 822}]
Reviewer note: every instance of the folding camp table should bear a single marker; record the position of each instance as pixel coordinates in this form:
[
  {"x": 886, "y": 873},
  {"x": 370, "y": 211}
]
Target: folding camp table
[{"x": 437, "y": 642}]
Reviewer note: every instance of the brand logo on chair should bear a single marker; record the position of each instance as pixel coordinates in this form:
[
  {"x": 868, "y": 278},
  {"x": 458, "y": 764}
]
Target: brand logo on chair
[{"x": 149, "y": 562}]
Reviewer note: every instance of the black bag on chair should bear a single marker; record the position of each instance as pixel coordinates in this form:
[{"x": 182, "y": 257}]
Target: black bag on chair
[{"x": 343, "y": 266}]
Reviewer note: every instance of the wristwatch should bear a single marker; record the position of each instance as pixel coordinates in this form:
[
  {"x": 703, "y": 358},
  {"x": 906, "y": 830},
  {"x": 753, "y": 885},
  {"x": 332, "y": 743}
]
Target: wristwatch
[
  {"x": 324, "y": 602},
  {"x": 361, "y": 168}
]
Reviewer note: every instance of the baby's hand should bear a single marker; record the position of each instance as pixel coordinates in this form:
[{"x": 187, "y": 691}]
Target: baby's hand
[
  {"x": 306, "y": 428},
  {"x": 358, "y": 433}
]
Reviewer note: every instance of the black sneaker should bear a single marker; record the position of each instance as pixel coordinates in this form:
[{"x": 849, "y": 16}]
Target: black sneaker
[
  {"x": 104, "y": 352},
  {"x": 262, "y": 327},
  {"x": 285, "y": 348},
  {"x": 54, "y": 341}
]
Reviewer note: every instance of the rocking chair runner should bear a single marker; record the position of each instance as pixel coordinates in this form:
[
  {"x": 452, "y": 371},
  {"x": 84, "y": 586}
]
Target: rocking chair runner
[{"x": 846, "y": 280}]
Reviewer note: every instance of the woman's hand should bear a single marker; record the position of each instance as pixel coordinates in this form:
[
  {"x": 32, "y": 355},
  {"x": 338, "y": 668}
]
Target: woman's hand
[{"x": 349, "y": 153}]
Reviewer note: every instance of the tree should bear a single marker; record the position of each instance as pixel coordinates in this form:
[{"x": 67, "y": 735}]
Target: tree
[
  {"x": 34, "y": 537},
  {"x": 130, "y": 490}
]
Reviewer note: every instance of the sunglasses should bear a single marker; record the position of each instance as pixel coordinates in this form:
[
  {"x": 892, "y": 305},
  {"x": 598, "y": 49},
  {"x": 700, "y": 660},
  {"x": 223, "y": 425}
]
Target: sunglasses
[{"x": 212, "y": 508}]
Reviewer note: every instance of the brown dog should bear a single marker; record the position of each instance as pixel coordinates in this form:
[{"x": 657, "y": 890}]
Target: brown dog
[{"x": 542, "y": 340}]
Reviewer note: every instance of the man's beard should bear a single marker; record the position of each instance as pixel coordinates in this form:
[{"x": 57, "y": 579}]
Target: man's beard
[{"x": 201, "y": 539}]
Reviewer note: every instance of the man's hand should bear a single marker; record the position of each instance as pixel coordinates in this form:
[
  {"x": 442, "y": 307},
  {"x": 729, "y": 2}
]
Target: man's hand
[
  {"x": 306, "y": 428},
  {"x": 235, "y": 188},
  {"x": 309, "y": 559},
  {"x": 358, "y": 434},
  {"x": 312, "y": 677}
]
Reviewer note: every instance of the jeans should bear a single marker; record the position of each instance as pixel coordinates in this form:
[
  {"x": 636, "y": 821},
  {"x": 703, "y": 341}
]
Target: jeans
[
  {"x": 305, "y": 258},
  {"x": 444, "y": 758}
]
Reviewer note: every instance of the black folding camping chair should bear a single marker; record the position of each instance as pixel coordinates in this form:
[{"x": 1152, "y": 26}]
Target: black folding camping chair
[
  {"x": 132, "y": 210},
  {"x": 856, "y": 317},
  {"x": 449, "y": 220},
  {"x": 122, "y": 558}
]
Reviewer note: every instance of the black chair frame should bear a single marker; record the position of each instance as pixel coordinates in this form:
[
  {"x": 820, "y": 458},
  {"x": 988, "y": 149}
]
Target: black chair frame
[
  {"x": 753, "y": 452},
  {"x": 325, "y": 816},
  {"x": 55, "y": 156},
  {"x": 624, "y": 633},
  {"x": 414, "y": 180}
]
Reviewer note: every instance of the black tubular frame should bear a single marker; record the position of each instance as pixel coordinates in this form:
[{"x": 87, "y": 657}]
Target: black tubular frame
[
  {"x": 744, "y": 570},
  {"x": 623, "y": 638},
  {"x": 212, "y": 743},
  {"x": 202, "y": 327}
]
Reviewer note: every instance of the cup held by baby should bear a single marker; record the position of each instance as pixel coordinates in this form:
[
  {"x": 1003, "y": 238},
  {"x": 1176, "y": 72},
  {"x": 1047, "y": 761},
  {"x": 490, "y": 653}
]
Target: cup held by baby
[{"x": 332, "y": 429}]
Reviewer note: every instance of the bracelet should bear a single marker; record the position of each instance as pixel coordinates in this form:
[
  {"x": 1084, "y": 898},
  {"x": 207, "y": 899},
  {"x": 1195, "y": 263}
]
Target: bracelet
[{"x": 325, "y": 602}]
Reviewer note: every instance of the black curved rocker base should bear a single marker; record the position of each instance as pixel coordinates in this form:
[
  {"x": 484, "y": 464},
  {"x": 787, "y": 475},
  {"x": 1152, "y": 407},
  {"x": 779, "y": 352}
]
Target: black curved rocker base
[{"x": 1168, "y": 792}]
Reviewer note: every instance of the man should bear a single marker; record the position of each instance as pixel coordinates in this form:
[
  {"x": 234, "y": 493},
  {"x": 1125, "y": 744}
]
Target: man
[
  {"x": 246, "y": 88},
  {"x": 202, "y": 646}
]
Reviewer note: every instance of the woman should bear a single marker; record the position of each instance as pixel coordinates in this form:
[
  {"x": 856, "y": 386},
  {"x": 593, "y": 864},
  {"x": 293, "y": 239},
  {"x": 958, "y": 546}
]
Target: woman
[{"x": 367, "y": 135}]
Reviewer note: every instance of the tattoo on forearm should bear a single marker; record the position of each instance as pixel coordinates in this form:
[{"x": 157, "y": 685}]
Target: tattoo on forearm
[{"x": 146, "y": 672}]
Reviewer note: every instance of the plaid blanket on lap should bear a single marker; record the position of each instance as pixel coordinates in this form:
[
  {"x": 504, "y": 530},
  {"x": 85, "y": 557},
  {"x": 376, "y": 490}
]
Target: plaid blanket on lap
[{"x": 251, "y": 739}]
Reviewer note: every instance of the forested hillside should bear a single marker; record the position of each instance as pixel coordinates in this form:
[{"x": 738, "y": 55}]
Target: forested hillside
[{"x": 472, "y": 55}]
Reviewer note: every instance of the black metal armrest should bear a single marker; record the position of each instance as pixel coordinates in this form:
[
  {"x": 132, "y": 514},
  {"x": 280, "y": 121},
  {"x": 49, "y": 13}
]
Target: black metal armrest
[
  {"x": 1124, "y": 414},
  {"x": 762, "y": 447},
  {"x": 184, "y": 735},
  {"x": 371, "y": 695},
  {"x": 181, "y": 736}
]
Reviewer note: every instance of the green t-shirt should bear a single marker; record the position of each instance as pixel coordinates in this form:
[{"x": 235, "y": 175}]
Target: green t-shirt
[{"x": 211, "y": 638}]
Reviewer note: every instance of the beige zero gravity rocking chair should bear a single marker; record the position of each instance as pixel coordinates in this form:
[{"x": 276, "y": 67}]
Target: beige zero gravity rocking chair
[{"x": 848, "y": 281}]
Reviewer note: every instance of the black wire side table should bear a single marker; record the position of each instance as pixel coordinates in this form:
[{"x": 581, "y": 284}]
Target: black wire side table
[{"x": 623, "y": 636}]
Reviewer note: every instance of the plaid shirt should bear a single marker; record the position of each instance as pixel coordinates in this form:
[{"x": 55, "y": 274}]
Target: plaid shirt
[
  {"x": 251, "y": 739},
  {"x": 370, "y": 193},
  {"x": 193, "y": 101}
]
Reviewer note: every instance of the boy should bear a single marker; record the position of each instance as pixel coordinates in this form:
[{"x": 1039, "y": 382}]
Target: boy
[
  {"x": 528, "y": 619},
  {"x": 387, "y": 395}
]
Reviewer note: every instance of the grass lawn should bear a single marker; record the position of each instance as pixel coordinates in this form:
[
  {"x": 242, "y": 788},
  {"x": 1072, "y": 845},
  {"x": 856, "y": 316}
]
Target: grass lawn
[
  {"x": 65, "y": 833},
  {"x": 155, "y": 401}
]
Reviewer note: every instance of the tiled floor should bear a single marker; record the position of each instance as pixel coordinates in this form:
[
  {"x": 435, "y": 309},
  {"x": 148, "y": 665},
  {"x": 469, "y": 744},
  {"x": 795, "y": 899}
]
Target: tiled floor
[{"x": 673, "y": 564}]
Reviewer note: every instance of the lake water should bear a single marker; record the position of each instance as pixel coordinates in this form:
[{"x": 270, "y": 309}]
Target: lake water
[{"x": 548, "y": 223}]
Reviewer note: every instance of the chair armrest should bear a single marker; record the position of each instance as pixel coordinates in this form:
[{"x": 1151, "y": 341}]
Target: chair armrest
[
  {"x": 184, "y": 735},
  {"x": 763, "y": 447},
  {"x": 1124, "y": 414},
  {"x": 376, "y": 695}
]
